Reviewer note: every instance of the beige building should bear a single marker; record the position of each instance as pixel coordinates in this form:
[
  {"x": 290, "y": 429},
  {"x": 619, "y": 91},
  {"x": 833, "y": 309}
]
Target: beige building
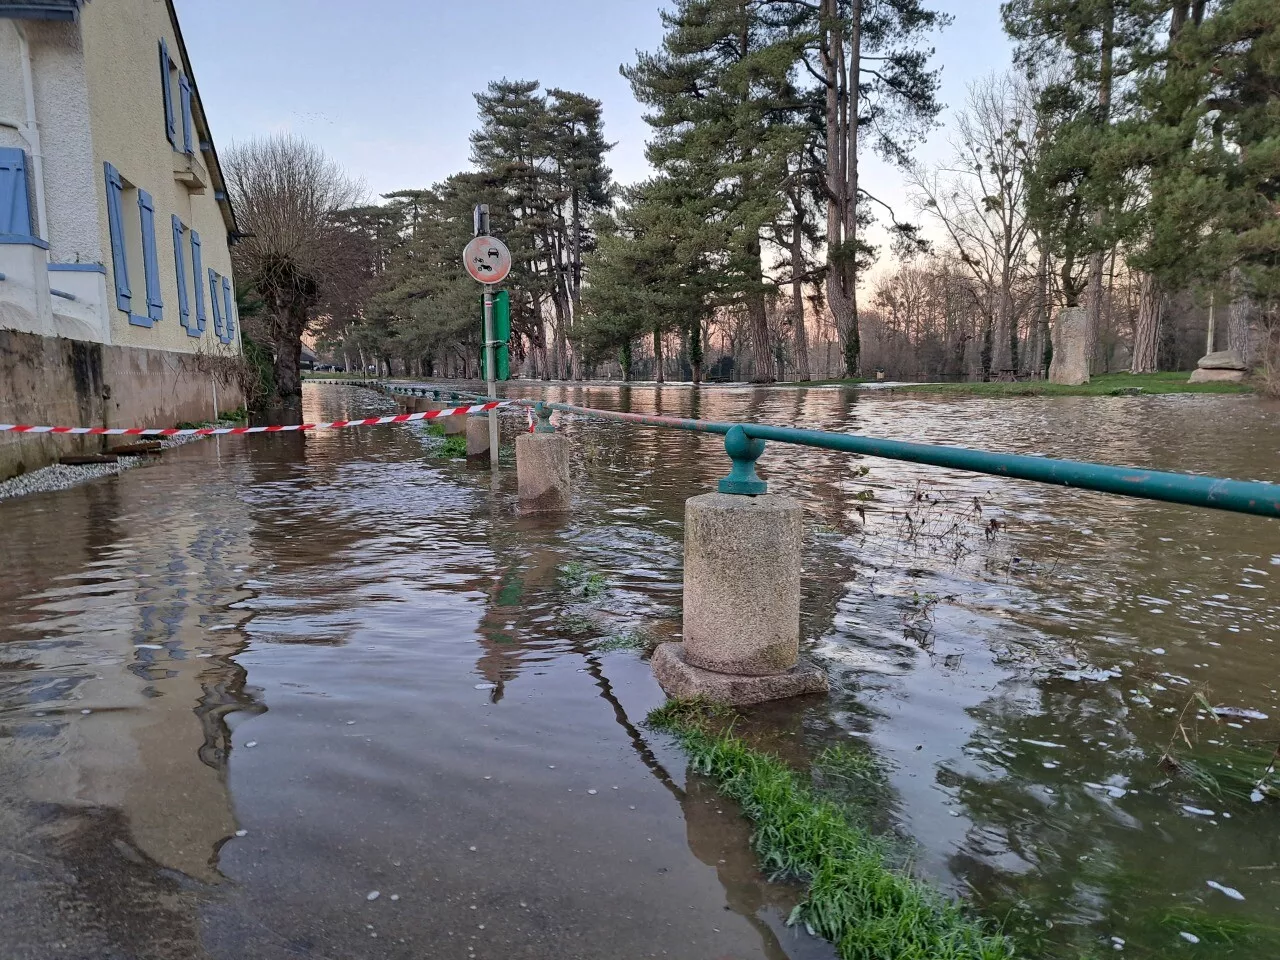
[{"x": 117, "y": 299}]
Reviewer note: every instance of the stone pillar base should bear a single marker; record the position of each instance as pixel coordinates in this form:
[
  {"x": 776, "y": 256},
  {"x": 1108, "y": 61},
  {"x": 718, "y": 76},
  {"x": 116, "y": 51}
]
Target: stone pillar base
[
  {"x": 478, "y": 436},
  {"x": 742, "y": 583},
  {"x": 542, "y": 472},
  {"x": 679, "y": 678}
]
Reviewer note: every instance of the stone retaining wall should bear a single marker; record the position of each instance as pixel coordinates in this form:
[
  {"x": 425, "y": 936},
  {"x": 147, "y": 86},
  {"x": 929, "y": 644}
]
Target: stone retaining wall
[{"x": 58, "y": 382}]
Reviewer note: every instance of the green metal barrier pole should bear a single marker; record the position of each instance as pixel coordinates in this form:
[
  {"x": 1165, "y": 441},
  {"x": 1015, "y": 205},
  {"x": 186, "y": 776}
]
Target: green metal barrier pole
[{"x": 1237, "y": 496}]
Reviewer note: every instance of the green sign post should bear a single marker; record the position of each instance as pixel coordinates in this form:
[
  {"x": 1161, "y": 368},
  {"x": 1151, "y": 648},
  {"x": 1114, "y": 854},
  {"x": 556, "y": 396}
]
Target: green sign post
[{"x": 501, "y": 334}]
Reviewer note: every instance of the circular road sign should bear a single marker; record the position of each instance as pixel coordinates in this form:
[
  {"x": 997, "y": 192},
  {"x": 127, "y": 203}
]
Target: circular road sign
[{"x": 487, "y": 259}]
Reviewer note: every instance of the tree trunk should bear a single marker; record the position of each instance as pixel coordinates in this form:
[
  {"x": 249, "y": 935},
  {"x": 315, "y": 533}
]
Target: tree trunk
[
  {"x": 1240, "y": 321},
  {"x": 797, "y": 300},
  {"x": 842, "y": 172},
  {"x": 765, "y": 371},
  {"x": 657, "y": 356},
  {"x": 696, "y": 352},
  {"x": 1146, "y": 329},
  {"x": 1098, "y": 258},
  {"x": 624, "y": 360}
]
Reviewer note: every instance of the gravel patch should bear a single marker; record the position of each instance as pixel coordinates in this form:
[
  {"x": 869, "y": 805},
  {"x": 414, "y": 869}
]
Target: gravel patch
[{"x": 57, "y": 476}]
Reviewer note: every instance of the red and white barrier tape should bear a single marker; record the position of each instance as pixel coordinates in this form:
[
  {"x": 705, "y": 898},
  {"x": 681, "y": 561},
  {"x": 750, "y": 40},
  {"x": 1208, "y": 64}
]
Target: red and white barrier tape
[{"x": 222, "y": 431}]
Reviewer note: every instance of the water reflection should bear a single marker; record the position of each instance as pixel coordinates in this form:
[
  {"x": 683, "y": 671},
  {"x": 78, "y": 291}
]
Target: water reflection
[{"x": 444, "y": 724}]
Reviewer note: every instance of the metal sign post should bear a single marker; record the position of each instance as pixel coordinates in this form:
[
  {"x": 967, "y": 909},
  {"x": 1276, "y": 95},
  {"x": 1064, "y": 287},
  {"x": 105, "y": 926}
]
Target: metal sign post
[
  {"x": 490, "y": 373},
  {"x": 488, "y": 260}
]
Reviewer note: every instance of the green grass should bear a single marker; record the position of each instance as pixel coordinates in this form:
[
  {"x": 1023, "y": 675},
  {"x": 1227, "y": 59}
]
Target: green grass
[
  {"x": 1222, "y": 931},
  {"x": 837, "y": 381},
  {"x": 856, "y": 899},
  {"x": 451, "y": 448},
  {"x": 1104, "y": 385}
]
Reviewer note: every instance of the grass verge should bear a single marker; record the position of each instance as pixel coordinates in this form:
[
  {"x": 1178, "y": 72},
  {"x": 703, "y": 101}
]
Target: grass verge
[
  {"x": 835, "y": 382},
  {"x": 1104, "y": 385},
  {"x": 856, "y": 899}
]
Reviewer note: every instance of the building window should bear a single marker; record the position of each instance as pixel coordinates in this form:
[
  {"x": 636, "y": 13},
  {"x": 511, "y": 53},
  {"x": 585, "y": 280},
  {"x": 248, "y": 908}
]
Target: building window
[
  {"x": 188, "y": 140},
  {"x": 180, "y": 267},
  {"x": 229, "y": 303},
  {"x": 214, "y": 305},
  {"x": 167, "y": 70},
  {"x": 15, "y": 205},
  {"x": 197, "y": 271},
  {"x": 150, "y": 255},
  {"x": 133, "y": 248}
]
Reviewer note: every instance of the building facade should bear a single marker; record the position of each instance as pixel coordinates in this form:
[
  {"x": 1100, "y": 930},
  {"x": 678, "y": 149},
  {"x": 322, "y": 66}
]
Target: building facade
[{"x": 115, "y": 226}]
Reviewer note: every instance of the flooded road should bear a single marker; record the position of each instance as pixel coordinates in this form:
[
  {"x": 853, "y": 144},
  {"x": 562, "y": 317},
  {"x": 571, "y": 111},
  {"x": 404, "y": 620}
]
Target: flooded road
[{"x": 246, "y": 689}]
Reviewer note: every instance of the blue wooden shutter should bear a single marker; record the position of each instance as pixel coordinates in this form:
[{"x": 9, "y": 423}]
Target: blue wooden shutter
[
  {"x": 119, "y": 254},
  {"x": 170, "y": 124},
  {"x": 150, "y": 262},
  {"x": 179, "y": 262},
  {"x": 213, "y": 303},
  {"x": 188, "y": 143},
  {"x": 197, "y": 273},
  {"x": 228, "y": 323},
  {"x": 15, "y": 208}
]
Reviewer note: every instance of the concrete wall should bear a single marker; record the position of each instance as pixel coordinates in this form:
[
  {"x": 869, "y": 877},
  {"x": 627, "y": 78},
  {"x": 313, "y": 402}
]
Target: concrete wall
[
  {"x": 126, "y": 107},
  {"x": 53, "y": 381}
]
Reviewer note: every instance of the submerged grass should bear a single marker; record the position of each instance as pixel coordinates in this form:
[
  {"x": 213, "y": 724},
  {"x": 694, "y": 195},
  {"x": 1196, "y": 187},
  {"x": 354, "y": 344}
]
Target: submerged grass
[
  {"x": 579, "y": 579},
  {"x": 627, "y": 640},
  {"x": 868, "y": 909}
]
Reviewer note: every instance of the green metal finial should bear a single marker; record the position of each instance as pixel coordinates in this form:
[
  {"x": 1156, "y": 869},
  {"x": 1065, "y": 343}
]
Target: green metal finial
[
  {"x": 435, "y": 395},
  {"x": 543, "y": 413},
  {"x": 744, "y": 452}
]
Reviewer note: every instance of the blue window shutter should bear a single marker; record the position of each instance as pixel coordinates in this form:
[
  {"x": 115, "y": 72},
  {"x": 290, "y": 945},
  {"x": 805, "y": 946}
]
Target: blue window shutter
[
  {"x": 184, "y": 308},
  {"x": 229, "y": 323},
  {"x": 188, "y": 143},
  {"x": 119, "y": 256},
  {"x": 213, "y": 303},
  {"x": 197, "y": 273},
  {"x": 15, "y": 209},
  {"x": 150, "y": 263},
  {"x": 170, "y": 124}
]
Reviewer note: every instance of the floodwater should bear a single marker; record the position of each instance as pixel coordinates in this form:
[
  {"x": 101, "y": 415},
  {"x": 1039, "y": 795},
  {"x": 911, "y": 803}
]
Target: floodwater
[{"x": 244, "y": 689}]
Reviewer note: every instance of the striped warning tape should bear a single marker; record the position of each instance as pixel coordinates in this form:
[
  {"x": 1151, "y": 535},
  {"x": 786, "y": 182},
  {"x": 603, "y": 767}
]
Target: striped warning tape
[{"x": 279, "y": 428}]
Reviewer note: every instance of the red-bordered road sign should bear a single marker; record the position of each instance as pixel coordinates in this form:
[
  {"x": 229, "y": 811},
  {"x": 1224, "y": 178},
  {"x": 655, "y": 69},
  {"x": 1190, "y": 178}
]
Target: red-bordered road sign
[{"x": 487, "y": 259}]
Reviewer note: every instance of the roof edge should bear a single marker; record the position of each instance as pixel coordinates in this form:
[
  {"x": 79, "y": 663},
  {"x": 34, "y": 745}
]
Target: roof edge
[{"x": 215, "y": 166}]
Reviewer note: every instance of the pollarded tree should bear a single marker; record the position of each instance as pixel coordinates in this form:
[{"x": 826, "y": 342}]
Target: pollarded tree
[{"x": 288, "y": 197}]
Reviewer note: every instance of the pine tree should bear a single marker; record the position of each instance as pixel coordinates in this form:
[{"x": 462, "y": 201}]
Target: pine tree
[
  {"x": 874, "y": 88},
  {"x": 1214, "y": 157},
  {"x": 722, "y": 108},
  {"x": 1077, "y": 189},
  {"x": 650, "y": 275}
]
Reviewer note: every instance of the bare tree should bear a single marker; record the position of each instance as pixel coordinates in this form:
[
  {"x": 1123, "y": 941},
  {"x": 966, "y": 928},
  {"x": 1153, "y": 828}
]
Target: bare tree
[
  {"x": 287, "y": 196},
  {"x": 979, "y": 198}
]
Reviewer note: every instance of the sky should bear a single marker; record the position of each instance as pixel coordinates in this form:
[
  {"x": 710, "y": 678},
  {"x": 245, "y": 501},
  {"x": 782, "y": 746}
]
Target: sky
[{"x": 387, "y": 87}]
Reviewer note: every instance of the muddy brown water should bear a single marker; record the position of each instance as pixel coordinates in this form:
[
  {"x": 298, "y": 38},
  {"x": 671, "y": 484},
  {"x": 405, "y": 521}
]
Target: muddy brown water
[{"x": 242, "y": 690}]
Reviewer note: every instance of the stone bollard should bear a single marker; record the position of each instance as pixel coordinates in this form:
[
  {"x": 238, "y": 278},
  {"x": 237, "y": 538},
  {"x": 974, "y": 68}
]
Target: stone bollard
[
  {"x": 1070, "y": 364},
  {"x": 741, "y": 593},
  {"x": 478, "y": 437},
  {"x": 542, "y": 467},
  {"x": 455, "y": 425}
]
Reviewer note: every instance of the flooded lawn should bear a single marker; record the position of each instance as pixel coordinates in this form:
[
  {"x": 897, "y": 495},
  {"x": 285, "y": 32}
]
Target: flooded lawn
[{"x": 329, "y": 696}]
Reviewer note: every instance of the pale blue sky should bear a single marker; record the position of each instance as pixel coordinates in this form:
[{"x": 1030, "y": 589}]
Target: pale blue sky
[{"x": 385, "y": 86}]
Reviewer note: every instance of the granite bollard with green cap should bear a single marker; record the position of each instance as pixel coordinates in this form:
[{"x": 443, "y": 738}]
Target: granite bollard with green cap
[
  {"x": 542, "y": 466},
  {"x": 741, "y": 592}
]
